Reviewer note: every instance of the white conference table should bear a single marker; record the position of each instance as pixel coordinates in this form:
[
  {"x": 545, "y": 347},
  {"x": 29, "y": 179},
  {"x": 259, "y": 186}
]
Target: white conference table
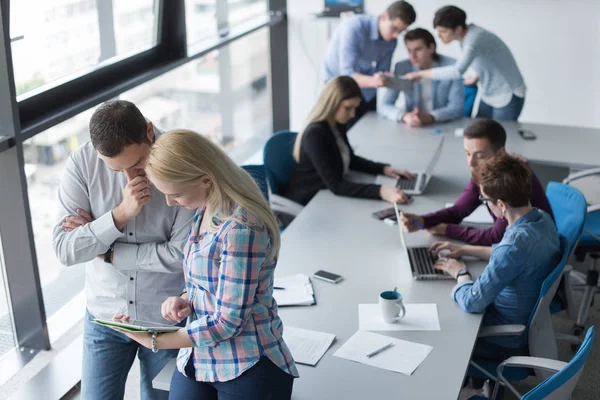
[
  {"x": 338, "y": 234},
  {"x": 556, "y": 145}
]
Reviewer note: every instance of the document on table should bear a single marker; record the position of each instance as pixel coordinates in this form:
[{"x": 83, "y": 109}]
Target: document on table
[
  {"x": 403, "y": 356},
  {"x": 307, "y": 346},
  {"x": 297, "y": 291},
  {"x": 419, "y": 317},
  {"x": 481, "y": 216}
]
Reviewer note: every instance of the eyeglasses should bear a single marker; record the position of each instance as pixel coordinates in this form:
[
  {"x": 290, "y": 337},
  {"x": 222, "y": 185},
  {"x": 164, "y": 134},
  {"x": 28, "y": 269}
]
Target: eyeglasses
[{"x": 485, "y": 200}]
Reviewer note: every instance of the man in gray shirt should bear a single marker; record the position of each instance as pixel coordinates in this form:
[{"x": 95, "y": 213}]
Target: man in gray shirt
[{"x": 120, "y": 226}]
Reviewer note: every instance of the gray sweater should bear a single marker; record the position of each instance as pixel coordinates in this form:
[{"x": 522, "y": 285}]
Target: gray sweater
[{"x": 491, "y": 59}]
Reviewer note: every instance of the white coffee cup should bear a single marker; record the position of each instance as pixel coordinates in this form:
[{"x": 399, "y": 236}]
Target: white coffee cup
[{"x": 391, "y": 305}]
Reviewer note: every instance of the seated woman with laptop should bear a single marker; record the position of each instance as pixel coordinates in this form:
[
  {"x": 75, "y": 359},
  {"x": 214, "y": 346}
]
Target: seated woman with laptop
[
  {"x": 530, "y": 249},
  {"x": 324, "y": 156}
]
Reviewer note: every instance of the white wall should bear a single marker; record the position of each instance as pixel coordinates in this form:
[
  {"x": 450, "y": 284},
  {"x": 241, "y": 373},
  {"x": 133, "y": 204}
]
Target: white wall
[{"x": 555, "y": 42}]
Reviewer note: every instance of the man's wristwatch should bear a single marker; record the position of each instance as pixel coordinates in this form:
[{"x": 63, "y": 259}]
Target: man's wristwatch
[
  {"x": 108, "y": 255},
  {"x": 462, "y": 272}
]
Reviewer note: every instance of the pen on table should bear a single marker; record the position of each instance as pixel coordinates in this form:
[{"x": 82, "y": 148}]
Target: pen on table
[
  {"x": 417, "y": 223},
  {"x": 278, "y": 288},
  {"x": 379, "y": 350}
]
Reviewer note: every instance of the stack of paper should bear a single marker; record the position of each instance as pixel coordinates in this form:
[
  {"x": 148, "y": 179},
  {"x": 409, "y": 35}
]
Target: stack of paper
[
  {"x": 402, "y": 356},
  {"x": 297, "y": 291},
  {"x": 307, "y": 346},
  {"x": 419, "y": 317},
  {"x": 481, "y": 216}
]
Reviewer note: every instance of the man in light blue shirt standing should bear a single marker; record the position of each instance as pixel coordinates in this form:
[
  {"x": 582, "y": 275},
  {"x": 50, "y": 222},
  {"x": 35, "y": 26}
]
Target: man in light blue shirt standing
[
  {"x": 119, "y": 226},
  {"x": 428, "y": 101},
  {"x": 362, "y": 47}
]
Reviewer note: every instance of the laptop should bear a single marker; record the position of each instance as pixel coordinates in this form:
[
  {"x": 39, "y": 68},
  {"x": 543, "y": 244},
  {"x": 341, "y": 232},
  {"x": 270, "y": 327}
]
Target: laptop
[
  {"x": 420, "y": 258},
  {"x": 416, "y": 185}
]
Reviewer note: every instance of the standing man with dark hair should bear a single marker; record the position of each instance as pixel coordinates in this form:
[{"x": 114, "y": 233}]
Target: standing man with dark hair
[
  {"x": 429, "y": 101},
  {"x": 362, "y": 47},
  {"x": 500, "y": 80},
  {"x": 120, "y": 226},
  {"x": 483, "y": 139}
]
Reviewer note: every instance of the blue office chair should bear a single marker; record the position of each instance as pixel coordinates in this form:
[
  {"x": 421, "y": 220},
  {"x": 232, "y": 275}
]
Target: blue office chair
[
  {"x": 559, "y": 386},
  {"x": 280, "y": 166},
  {"x": 258, "y": 173},
  {"x": 589, "y": 243},
  {"x": 569, "y": 208},
  {"x": 540, "y": 334},
  {"x": 470, "y": 95}
]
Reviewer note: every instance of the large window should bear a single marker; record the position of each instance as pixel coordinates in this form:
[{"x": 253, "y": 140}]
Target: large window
[
  {"x": 242, "y": 10},
  {"x": 7, "y": 339},
  {"x": 224, "y": 95},
  {"x": 200, "y": 20},
  {"x": 45, "y": 157},
  {"x": 68, "y": 56},
  {"x": 54, "y": 39}
]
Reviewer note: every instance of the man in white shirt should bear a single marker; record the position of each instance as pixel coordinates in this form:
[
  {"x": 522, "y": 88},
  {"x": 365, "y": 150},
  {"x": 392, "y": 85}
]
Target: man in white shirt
[
  {"x": 119, "y": 225},
  {"x": 428, "y": 101}
]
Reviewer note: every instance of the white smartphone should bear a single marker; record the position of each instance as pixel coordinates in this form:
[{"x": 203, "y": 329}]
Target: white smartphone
[{"x": 327, "y": 276}]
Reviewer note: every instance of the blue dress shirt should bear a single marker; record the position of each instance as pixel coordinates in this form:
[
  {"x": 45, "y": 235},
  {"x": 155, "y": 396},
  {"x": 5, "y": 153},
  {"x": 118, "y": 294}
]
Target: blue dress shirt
[
  {"x": 357, "y": 48},
  {"x": 510, "y": 285}
]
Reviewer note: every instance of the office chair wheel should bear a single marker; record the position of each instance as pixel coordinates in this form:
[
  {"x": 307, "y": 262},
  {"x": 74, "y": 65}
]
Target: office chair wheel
[{"x": 577, "y": 330}]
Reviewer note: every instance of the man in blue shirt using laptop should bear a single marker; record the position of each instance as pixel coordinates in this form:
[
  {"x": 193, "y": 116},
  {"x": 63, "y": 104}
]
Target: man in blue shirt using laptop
[
  {"x": 362, "y": 47},
  {"x": 428, "y": 101}
]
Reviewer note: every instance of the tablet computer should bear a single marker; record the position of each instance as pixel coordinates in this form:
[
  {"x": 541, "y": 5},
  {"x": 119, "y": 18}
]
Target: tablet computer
[
  {"x": 402, "y": 85},
  {"x": 136, "y": 325}
]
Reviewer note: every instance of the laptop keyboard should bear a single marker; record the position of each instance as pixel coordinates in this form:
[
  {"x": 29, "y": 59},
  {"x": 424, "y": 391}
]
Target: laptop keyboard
[
  {"x": 422, "y": 261},
  {"x": 406, "y": 183}
]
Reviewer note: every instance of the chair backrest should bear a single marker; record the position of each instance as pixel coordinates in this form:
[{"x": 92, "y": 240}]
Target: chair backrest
[
  {"x": 542, "y": 341},
  {"x": 257, "y": 172},
  {"x": 560, "y": 386},
  {"x": 470, "y": 95},
  {"x": 569, "y": 208},
  {"x": 279, "y": 160}
]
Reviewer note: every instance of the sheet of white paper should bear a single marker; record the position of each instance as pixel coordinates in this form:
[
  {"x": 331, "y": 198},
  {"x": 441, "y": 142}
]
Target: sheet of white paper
[
  {"x": 307, "y": 346},
  {"x": 403, "y": 356},
  {"x": 419, "y": 317},
  {"x": 481, "y": 215},
  {"x": 298, "y": 291},
  {"x": 459, "y": 132}
]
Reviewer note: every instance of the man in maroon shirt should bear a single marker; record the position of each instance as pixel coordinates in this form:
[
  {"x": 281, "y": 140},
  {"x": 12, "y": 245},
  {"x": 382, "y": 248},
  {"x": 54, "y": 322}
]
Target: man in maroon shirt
[{"x": 483, "y": 139}]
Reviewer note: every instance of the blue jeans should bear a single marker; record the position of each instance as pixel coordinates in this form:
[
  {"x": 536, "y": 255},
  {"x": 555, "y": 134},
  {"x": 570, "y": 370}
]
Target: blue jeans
[
  {"x": 107, "y": 359},
  {"x": 509, "y": 112},
  {"x": 263, "y": 381}
]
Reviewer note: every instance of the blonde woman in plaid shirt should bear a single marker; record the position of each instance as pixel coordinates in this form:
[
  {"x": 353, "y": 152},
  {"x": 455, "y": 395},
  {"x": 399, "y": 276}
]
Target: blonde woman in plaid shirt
[{"x": 232, "y": 346}]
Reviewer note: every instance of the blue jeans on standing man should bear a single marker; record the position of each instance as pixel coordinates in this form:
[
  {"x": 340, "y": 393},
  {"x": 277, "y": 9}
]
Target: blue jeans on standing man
[
  {"x": 509, "y": 112},
  {"x": 107, "y": 359}
]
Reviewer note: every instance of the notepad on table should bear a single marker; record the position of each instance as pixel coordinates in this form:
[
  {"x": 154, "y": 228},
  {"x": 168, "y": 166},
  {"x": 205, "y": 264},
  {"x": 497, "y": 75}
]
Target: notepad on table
[
  {"x": 307, "y": 346},
  {"x": 419, "y": 317},
  {"x": 481, "y": 216},
  {"x": 403, "y": 356},
  {"x": 297, "y": 290}
]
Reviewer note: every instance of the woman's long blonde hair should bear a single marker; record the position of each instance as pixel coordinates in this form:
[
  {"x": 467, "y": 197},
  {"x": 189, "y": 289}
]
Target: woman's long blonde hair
[
  {"x": 335, "y": 91},
  {"x": 184, "y": 156}
]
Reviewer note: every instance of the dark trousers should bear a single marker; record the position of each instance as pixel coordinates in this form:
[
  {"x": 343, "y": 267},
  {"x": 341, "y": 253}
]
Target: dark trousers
[
  {"x": 264, "y": 381},
  {"x": 509, "y": 112},
  {"x": 363, "y": 108}
]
